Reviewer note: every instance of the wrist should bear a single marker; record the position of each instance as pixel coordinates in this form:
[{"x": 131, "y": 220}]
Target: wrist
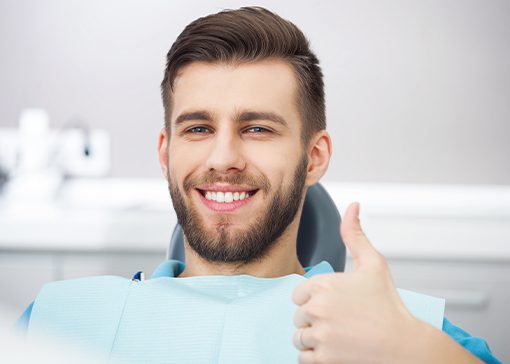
[{"x": 427, "y": 344}]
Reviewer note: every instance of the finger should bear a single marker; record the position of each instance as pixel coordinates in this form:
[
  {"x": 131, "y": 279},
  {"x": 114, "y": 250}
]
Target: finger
[
  {"x": 303, "y": 338},
  {"x": 302, "y": 293},
  {"x": 362, "y": 251},
  {"x": 306, "y": 357},
  {"x": 302, "y": 318}
]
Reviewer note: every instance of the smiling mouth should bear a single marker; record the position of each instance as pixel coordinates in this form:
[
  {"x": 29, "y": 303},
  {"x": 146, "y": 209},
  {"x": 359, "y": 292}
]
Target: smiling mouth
[{"x": 227, "y": 197}]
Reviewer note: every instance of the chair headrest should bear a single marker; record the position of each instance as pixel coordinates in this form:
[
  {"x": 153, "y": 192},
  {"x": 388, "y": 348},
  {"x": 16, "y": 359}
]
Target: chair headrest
[{"x": 318, "y": 236}]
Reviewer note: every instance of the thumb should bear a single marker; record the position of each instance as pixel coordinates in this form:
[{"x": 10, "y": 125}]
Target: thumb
[{"x": 362, "y": 251}]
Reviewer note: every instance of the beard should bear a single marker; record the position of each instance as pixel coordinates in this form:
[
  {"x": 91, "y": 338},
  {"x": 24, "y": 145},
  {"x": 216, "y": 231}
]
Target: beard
[{"x": 243, "y": 246}]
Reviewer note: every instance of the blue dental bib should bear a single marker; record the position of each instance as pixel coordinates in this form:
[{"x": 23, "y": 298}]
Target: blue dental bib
[{"x": 207, "y": 319}]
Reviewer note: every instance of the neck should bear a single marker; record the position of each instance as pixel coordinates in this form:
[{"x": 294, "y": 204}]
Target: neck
[{"x": 281, "y": 260}]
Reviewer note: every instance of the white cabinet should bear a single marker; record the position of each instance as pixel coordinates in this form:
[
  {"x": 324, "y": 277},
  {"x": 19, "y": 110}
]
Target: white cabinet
[
  {"x": 22, "y": 277},
  {"x": 23, "y": 274}
]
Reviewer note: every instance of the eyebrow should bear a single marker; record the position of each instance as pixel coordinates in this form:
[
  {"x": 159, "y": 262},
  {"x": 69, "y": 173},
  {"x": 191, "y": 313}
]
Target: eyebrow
[
  {"x": 256, "y": 115},
  {"x": 195, "y": 115}
]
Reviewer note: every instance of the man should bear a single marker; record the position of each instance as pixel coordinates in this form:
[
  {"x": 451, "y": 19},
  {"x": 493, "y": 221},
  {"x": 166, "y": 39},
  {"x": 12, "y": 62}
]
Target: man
[{"x": 244, "y": 138}]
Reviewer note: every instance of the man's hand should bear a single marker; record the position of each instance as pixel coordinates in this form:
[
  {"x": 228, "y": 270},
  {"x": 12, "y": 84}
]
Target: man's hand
[{"x": 358, "y": 317}]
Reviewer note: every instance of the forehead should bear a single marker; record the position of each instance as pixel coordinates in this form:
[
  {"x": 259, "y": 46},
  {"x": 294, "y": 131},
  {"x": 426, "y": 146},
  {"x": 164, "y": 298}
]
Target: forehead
[{"x": 267, "y": 85}]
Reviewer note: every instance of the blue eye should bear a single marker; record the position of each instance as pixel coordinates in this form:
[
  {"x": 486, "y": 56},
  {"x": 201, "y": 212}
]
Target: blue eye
[
  {"x": 198, "y": 130},
  {"x": 257, "y": 129}
]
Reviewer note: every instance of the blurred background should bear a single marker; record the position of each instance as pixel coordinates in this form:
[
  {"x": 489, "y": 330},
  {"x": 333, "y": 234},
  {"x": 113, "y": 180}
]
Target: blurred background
[{"x": 418, "y": 106}]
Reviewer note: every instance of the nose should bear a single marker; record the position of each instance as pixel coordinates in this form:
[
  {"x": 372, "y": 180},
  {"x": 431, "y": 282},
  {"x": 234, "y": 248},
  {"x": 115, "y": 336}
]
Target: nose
[{"x": 225, "y": 154}]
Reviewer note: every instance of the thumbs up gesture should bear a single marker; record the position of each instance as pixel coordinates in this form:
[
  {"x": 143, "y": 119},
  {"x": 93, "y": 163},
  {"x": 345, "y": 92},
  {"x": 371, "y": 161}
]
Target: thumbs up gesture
[{"x": 358, "y": 317}]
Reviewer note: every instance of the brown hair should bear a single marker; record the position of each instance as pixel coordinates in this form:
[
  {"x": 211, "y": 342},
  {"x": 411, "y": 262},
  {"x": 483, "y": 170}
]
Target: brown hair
[{"x": 250, "y": 34}]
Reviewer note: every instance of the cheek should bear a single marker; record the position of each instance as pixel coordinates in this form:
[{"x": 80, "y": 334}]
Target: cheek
[
  {"x": 183, "y": 159},
  {"x": 277, "y": 164},
  {"x": 276, "y": 153}
]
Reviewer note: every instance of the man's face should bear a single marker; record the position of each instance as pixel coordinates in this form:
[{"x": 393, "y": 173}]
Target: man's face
[{"x": 236, "y": 165}]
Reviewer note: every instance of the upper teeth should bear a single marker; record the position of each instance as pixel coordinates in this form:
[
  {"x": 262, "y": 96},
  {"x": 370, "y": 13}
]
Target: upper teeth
[{"x": 226, "y": 196}]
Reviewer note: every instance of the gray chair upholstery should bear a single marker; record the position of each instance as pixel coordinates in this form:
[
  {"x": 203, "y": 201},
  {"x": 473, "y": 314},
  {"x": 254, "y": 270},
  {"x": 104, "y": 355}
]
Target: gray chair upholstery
[{"x": 318, "y": 236}]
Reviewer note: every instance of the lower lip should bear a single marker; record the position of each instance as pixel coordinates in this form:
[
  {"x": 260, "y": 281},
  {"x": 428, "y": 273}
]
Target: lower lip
[{"x": 224, "y": 206}]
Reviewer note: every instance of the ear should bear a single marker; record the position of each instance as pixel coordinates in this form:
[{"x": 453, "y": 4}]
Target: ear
[
  {"x": 319, "y": 154},
  {"x": 163, "y": 151}
]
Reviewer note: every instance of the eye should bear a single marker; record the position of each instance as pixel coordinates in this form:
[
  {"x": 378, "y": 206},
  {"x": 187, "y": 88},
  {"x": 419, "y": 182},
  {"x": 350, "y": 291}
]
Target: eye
[
  {"x": 257, "y": 130},
  {"x": 198, "y": 130}
]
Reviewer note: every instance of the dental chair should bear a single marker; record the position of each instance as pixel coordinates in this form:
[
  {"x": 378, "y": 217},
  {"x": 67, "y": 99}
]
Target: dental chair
[{"x": 318, "y": 236}]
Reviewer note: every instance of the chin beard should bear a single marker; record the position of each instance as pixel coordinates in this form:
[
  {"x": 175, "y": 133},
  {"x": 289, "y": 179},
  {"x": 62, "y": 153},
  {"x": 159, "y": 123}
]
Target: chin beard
[{"x": 226, "y": 245}]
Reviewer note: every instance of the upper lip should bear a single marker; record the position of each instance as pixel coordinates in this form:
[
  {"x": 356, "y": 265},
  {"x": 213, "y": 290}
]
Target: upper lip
[{"x": 225, "y": 188}]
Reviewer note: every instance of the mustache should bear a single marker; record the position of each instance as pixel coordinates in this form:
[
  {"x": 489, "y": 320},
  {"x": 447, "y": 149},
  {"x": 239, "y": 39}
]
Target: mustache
[{"x": 260, "y": 182}]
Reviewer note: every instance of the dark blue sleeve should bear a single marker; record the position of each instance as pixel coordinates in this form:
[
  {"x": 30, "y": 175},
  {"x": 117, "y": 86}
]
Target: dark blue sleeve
[
  {"x": 24, "y": 320},
  {"x": 475, "y": 345}
]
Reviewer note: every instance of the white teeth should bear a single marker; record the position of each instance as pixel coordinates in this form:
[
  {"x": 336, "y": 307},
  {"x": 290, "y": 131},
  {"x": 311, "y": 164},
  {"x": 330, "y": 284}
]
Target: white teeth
[{"x": 225, "y": 197}]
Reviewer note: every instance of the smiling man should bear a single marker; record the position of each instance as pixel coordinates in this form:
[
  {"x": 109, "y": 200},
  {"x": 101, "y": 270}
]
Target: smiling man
[
  {"x": 244, "y": 138},
  {"x": 244, "y": 134}
]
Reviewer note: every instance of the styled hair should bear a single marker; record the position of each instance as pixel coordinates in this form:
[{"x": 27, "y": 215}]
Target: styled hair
[{"x": 245, "y": 35}]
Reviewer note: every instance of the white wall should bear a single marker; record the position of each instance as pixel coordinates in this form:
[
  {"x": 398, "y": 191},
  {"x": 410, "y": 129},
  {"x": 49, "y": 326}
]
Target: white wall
[{"x": 418, "y": 91}]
